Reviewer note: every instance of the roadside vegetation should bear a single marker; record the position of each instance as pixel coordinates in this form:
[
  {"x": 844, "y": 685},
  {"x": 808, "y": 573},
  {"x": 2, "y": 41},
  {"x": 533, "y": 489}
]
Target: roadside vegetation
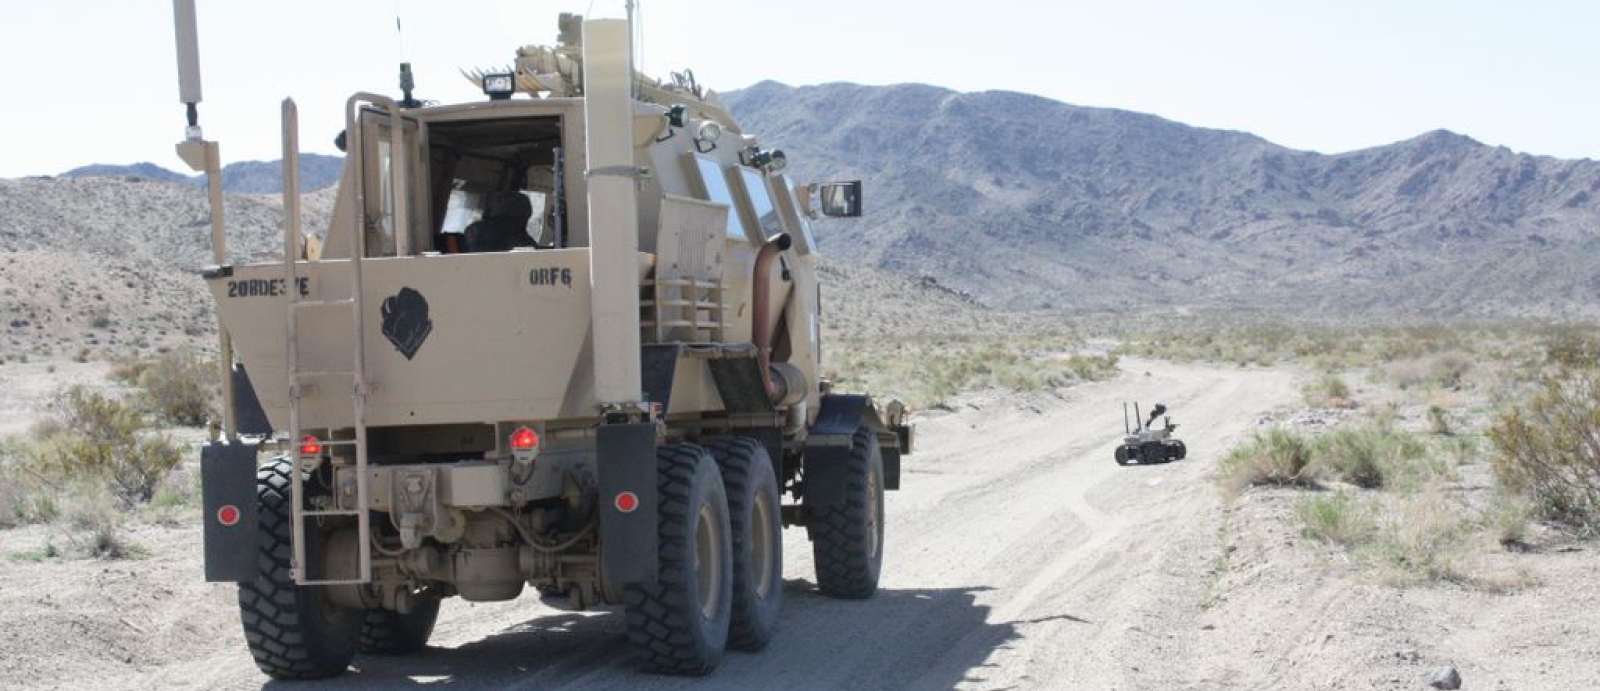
[
  {"x": 104, "y": 455},
  {"x": 1457, "y": 443},
  {"x": 925, "y": 372}
]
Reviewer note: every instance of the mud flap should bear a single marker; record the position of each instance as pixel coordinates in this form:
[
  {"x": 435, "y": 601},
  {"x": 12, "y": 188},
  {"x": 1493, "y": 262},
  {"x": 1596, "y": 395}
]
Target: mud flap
[
  {"x": 626, "y": 456},
  {"x": 828, "y": 448},
  {"x": 228, "y": 496}
]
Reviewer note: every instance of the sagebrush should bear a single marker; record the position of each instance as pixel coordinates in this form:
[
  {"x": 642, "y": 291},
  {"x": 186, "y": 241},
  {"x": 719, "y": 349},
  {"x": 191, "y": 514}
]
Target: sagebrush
[
  {"x": 1548, "y": 448},
  {"x": 103, "y": 440}
]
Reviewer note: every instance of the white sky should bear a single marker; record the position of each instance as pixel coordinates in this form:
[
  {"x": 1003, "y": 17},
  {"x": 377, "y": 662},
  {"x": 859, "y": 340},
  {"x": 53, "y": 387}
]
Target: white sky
[{"x": 93, "y": 81}]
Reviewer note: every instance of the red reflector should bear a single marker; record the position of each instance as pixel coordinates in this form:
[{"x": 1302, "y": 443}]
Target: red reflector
[
  {"x": 524, "y": 439},
  {"x": 228, "y": 514},
  {"x": 627, "y": 501},
  {"x": 309, "y": 446}
]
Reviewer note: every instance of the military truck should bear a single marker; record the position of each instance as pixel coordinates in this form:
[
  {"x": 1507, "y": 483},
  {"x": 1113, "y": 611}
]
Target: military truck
[{"x": 567, "y": 335}]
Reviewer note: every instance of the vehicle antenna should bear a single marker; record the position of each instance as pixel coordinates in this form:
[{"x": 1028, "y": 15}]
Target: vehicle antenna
[{"x": 407, "y": 81}]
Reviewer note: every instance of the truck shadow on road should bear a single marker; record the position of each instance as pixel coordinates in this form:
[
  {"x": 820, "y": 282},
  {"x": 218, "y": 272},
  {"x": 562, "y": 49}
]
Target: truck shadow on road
[{"x": 899, "y": 639}]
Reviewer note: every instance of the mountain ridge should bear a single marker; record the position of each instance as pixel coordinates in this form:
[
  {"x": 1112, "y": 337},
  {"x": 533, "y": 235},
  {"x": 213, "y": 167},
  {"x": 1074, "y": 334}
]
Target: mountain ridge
[
  {"x": 247, "y": 177},
  {"x": 1026, "y": 202},
  {"x": 1018, "y": 201}
]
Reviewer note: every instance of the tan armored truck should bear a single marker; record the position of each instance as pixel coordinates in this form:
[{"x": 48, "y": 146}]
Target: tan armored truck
[{"x": 566, "y": 336}]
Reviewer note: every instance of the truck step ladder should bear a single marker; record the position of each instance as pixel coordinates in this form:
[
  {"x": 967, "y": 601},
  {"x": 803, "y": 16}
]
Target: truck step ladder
[{"x": 355, "y": 375}]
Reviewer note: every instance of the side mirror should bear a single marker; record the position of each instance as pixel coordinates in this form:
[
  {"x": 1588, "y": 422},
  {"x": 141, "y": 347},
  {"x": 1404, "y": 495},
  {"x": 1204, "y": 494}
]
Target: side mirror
[{"x": 840, "y": 199}]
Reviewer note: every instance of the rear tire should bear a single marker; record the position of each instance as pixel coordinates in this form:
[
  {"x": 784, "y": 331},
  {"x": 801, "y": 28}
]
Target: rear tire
[
  {"x": 847, "y": 540},
  {"x": 386, "y": 632},
  {"x": 753, "y": 505},
  {"x": 293, "y": 631},
  {"x": 1122, "y": 456},
  {"x": 1179, "y": 451},
  {"x": 679, "y": 625}
]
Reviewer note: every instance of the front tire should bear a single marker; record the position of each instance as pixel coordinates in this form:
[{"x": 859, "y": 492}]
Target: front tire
[
  {"x": 679, "y": 625},
  {"x": 753, "y": 504},
  {"x": 293, "y": 631},
  {"x": 847, "y": 539}
]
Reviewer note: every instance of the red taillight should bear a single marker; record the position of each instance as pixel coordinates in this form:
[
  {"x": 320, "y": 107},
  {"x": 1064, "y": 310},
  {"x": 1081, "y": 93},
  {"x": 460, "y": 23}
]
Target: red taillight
[
  {"x": 524, "y": 439},
  {"x": 626, "y": 501},
  {"x": 309, "y": 446}
]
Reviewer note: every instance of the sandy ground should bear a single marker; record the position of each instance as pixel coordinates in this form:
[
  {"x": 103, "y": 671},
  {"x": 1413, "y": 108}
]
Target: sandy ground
[{"x": 1018, "y": 556}]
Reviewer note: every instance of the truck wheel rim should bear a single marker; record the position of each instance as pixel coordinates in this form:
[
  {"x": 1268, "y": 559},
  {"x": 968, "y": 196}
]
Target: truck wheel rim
[
  {"x": 872, "y": 514},
  {"x": 761, "y": 545},
  {"x": 708, "y": 561}
]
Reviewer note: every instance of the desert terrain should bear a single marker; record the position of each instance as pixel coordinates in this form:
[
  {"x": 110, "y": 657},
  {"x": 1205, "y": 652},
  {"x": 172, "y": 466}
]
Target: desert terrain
[
  {"x": 1348, "y": 342},
  {"x": 1018, "y": 556}
]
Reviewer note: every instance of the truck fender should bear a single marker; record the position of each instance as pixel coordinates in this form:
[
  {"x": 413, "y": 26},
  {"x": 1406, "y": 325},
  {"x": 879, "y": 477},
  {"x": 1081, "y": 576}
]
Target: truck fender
[{"x": 827, "y": 448}]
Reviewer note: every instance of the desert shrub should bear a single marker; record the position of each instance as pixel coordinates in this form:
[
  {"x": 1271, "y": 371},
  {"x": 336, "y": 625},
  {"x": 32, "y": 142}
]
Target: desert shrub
[
  {"x": 1448, "y": 368},
  {"x": 1460, "y": 449},
  {"x": 1275, "y": 457},
  {"x": 23, "y": 499},
  {"x": 927, "y": 371},
  {"x": 1404, "y": 536},
  {"x": 1548, "y": 449},
  {"x": 1438, "y": 421},
  {"x": 1507, "y": 519},
  {"x": 1327, "y": 391},
  {"x": 98, "y": 521},
  {"x": 1424, "y": 535},
  {"x": 179, "y": 388},
  {"x": 1573, "y": 349},
  {"x": 127, "y": 370},
  {"x": 1375, "y": 455},
  {"x": 1407, "y": 374},
  {"x": 103, "y": 442},
  {"x": 175, "y": 498},
  {"x": 1336, "y": 518}
]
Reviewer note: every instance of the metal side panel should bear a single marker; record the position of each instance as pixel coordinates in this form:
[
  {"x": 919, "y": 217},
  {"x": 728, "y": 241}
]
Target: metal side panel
[
  {"x": 464, "y": 338},
  {"x": 657, "y": 364},
  {"x": 739, "y": 383},
  {"x": 228, "y": 489},
  {"x": 626, "y": 456},
  {"x": 252, "y": 419}
]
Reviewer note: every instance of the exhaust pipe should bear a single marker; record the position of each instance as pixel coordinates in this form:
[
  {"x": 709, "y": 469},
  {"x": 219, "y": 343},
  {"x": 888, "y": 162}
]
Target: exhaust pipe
[{"x": 760, "y": 310}]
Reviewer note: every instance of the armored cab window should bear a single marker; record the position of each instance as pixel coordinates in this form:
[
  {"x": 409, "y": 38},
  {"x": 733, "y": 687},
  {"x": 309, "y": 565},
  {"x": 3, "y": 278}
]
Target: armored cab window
[
  {"x": 714, "y": 184},
  {"x": 501, "y": 181},
  {"x": 793, "y": 217},
  {"x": 761, "y": 206}
]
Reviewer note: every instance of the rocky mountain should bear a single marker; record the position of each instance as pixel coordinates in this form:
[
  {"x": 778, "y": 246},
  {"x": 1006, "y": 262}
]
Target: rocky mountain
[
  {"x": 111, "y": 265},
  {"x": 974, "y": 201},
  {"x": 250, "y": 177},
  {"x": 1027, "y": 202}
]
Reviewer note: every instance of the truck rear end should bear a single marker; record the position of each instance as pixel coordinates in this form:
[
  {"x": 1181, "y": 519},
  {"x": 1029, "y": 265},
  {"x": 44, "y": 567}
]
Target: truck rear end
[{"x": 568, "y": 341}]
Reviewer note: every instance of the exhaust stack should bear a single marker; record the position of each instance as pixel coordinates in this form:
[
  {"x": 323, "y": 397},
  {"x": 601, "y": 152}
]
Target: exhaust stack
[{"x": 613, "y": 210}]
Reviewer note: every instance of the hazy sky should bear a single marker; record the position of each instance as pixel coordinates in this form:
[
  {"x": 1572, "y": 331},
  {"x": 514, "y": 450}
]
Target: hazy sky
[{"x": 94, "y": 80}]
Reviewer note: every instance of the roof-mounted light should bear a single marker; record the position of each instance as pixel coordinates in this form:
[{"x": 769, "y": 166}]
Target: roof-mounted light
[
  {"x": 500, "y": 86},
  {"x": 706, "y": 135}
]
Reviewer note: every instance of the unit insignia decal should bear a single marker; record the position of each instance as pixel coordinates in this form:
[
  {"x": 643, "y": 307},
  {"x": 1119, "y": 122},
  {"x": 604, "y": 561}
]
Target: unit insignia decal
[{"x": 405, "y": 321}]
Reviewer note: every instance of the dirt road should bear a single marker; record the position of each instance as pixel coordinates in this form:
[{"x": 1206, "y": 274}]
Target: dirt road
[{"x": 1018, "y": 556}]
